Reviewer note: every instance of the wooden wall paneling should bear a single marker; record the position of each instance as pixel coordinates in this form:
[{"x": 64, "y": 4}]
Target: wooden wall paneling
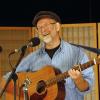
[
  {"x": 83, "y": 34},
  {"x": 10, "y": 39},
  {"x": 99, "y": 55}
]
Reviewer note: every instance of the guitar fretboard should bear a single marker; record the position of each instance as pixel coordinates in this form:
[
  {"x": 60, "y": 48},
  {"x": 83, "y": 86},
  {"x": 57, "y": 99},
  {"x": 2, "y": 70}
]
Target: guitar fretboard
[{"x": 64, "y": 75}]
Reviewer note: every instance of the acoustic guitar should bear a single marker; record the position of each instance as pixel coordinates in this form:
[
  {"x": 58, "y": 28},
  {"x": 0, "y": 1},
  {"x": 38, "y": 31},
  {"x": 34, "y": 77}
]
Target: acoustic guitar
[{"x": 45, "y": 84}]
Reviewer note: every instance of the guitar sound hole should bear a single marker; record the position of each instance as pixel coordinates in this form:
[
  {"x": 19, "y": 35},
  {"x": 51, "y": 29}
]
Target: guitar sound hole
[{"x": 41, "y": 86}]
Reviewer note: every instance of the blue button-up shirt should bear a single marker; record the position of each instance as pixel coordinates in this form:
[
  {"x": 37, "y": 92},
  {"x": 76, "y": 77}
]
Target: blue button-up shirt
[{"x": 64, "y": 59}]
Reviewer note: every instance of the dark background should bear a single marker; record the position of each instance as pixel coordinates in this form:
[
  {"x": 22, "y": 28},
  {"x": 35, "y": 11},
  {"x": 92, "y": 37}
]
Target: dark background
[{"x": 21, "y": 12}]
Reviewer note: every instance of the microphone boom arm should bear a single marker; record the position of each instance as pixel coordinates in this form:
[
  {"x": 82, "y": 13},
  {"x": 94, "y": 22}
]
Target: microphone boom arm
[{"x": 95, "y": 50}]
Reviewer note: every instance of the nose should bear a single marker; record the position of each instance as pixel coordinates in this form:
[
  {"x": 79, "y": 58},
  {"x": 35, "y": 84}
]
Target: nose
[{"x": 44, "y": 30}]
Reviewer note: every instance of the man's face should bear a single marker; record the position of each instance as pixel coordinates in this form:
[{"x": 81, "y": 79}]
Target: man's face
[{"x": 47, "y": 30}]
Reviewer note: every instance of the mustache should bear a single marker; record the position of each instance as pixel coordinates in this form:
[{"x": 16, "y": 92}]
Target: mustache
[{"x": 42, "y": 36}]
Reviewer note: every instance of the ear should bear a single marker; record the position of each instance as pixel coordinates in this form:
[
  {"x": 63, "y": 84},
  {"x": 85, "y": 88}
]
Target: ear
[{"x": 58, "y": 26}]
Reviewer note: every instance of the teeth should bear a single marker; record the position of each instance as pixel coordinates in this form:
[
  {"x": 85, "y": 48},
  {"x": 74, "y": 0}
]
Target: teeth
[{"x": 45, "y": 34}]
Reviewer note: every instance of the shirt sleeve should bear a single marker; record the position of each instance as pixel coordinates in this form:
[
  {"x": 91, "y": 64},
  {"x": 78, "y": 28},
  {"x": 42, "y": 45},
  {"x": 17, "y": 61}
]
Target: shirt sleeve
[
  {"x": 88, "y": 75},
  {"x": 23, "y": 66},
  {"x": 25, "y": 63}
]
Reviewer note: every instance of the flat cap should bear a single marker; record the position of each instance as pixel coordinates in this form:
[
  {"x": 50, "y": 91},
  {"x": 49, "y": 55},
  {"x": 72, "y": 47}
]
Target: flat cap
[{"x": 45, "y": 14}]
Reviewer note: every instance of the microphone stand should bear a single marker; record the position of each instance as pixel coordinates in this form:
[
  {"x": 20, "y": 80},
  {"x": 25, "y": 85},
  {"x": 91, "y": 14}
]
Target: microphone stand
[
  {"x": 13, "y": 75},
  {"x": 94, "y": 50}
]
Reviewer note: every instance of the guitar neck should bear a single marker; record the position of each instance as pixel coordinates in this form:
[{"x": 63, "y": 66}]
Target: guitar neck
[{"x": 64, "y": 75}]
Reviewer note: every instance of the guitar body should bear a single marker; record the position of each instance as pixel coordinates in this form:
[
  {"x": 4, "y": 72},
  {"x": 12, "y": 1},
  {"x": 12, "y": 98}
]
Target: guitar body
[{"x": 52, "y": 92}]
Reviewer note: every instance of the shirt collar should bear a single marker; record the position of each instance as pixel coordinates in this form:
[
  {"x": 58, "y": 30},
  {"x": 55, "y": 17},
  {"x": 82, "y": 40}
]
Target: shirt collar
[{"x": 42, "y": 49}]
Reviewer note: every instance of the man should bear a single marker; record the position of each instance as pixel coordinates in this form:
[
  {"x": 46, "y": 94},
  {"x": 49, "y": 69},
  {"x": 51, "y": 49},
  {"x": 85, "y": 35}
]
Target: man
[{"x": 59, "y": 54}]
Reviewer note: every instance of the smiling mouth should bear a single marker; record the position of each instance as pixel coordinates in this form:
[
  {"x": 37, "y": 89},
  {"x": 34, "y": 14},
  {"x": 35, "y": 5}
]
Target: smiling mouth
[{"x": 46, "y": 34}]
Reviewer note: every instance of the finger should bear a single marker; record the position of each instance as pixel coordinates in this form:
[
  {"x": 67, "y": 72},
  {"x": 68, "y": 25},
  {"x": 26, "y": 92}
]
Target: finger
[
  {"x": 74, "y": 73},
  {"x": 78, "y": 72}
]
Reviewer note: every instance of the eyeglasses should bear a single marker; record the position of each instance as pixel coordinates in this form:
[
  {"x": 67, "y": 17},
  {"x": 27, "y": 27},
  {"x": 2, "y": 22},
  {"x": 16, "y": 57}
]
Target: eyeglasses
[{"x": 46, "y": 26}]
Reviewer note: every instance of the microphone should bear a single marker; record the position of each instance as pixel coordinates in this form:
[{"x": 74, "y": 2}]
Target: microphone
[
  {"x": 32, "y": 43},
  {"x": 0, "y": 49}
]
